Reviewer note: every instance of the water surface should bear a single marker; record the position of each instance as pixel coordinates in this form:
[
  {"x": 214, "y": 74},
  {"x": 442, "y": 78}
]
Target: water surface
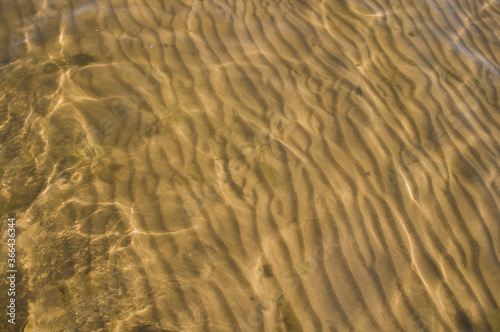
[{"x": 252, "y": 165}]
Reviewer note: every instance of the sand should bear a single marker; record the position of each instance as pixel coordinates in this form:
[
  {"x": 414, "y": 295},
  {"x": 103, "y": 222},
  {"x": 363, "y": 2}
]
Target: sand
[{"x": 252, "y": 165}]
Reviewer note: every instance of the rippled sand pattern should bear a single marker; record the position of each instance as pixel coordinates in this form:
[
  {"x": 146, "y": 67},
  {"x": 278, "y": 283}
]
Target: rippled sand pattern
[{"x": 252, "y": 165}]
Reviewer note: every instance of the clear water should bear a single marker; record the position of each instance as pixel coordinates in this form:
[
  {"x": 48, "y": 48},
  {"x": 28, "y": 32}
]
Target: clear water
[{"x": 251, "y": 165}]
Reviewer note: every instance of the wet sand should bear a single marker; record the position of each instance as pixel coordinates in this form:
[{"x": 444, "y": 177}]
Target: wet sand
[{"x": 252, "y": 165}]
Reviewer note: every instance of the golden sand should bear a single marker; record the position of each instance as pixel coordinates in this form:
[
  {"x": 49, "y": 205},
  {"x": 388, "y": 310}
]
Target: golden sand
[{"x": 252, "y": 165}]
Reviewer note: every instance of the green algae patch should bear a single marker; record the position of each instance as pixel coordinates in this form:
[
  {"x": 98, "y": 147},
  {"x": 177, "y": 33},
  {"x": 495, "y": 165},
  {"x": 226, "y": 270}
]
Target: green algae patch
[
  {"x": 51, "y": 67},
  {"x": 268, "y": 272},
  {"x": 107, "y": 169},
  {"x": 80, "y": 60},
  {"x": 494, "y": 319},
  {"x": 288, "y": 317},
  {"x": 415, "y": 33},
  {"x": 271, "y": 174},
  {"x": 77, "y": 60},
  {"x": 261, "y": 149}
]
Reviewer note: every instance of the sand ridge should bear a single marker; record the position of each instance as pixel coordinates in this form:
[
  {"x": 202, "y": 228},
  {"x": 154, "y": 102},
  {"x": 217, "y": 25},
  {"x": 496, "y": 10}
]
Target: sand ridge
[{"x": 253, "y": 165}]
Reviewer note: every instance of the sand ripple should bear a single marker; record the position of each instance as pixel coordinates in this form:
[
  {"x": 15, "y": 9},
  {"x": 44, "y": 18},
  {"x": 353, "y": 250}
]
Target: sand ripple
[{"x": 252, "y": 165}]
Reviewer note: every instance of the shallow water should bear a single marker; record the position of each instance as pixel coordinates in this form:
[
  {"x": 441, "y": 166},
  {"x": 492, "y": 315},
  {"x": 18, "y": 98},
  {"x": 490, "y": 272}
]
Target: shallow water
[{"x": 251, "y": 165}]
